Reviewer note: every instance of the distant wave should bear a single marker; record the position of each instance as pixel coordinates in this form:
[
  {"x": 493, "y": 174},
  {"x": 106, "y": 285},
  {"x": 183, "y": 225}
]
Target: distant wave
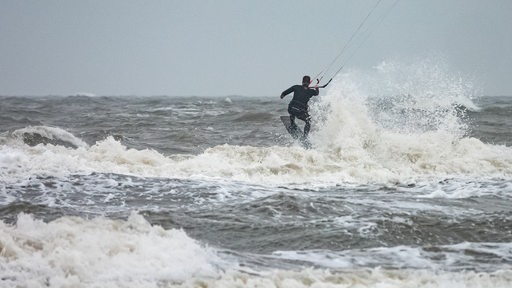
[
  {"x": 35, "y": 135},
  {"x": 87, "y": 94}
]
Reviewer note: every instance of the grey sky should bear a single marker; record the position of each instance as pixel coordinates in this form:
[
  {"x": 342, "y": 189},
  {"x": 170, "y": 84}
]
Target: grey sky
[{"x": 225, "y": 47}]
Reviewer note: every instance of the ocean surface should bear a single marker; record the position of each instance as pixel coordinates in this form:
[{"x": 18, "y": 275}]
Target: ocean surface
[{"x": 403, "y": 187}]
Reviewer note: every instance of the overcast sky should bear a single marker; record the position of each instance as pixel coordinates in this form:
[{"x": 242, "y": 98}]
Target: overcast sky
[{"x": 238, "y": 47}]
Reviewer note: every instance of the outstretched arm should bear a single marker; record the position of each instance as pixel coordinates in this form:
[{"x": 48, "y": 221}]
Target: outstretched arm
[{"x": 286, "y": 92}]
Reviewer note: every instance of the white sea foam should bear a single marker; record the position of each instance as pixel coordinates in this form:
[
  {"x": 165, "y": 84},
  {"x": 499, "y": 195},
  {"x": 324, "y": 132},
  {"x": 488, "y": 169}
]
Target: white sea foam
[
  {"x": 367, "y": 278},
  {"x": 456, "y": 257},
  {"x": 73, "y": 252},
  {"x": 392, "y": 160}
]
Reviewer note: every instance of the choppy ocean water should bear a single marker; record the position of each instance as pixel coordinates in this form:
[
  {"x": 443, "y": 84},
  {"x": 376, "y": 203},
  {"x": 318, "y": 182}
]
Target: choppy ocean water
[{"x": 399, "y": 190}]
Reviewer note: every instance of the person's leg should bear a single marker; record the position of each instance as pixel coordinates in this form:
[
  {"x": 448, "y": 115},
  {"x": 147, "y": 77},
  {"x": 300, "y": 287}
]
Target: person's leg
[
  {"x": 307, "y": 127},
  {"x": 307, "y": 119},
  {"x": 292, "y": 118}
]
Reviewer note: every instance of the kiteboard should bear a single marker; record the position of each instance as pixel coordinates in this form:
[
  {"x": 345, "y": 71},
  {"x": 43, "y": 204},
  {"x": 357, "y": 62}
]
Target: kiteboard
[{"x": 295, "y": 132}]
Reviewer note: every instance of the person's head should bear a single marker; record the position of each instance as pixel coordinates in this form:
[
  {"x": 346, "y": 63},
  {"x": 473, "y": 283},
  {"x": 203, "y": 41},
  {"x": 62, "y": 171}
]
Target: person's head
[{"x": 306, "y": 80}]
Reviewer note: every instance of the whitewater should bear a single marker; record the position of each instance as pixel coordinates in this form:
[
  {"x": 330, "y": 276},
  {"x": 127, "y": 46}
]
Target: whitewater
[{"x": 408, "y": 184}]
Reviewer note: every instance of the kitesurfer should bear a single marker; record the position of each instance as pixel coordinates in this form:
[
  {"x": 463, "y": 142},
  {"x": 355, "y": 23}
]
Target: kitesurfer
[{"x": 298, "y": 107}]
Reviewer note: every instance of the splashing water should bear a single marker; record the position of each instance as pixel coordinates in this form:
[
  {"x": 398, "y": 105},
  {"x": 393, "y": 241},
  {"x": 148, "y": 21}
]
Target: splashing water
[
  {"x": 405, "y": 99},
  {"x": 402, "y": 119}
]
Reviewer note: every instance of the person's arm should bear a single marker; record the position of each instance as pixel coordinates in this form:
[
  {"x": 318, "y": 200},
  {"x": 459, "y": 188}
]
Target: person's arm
[
  {"x": 287, "y": 91},
  {"x": 315, "y": 91}
]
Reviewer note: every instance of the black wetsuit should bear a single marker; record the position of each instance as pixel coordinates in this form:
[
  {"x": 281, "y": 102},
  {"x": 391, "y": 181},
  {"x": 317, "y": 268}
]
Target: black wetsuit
[{"x": 298, "y": 107}]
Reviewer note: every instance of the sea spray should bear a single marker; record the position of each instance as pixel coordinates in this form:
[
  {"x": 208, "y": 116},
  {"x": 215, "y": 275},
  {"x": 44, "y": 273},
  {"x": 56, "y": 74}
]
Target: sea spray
[{"x": 407, "y": 119}]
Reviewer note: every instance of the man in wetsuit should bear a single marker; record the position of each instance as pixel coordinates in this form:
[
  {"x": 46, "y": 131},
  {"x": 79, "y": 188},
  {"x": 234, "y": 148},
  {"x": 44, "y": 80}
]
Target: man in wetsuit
[{"x": 298, "y": 107}]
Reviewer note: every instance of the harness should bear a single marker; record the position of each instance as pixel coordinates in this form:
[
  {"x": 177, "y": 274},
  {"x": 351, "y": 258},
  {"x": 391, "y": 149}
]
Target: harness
[{"x": 298, "y": 105}]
